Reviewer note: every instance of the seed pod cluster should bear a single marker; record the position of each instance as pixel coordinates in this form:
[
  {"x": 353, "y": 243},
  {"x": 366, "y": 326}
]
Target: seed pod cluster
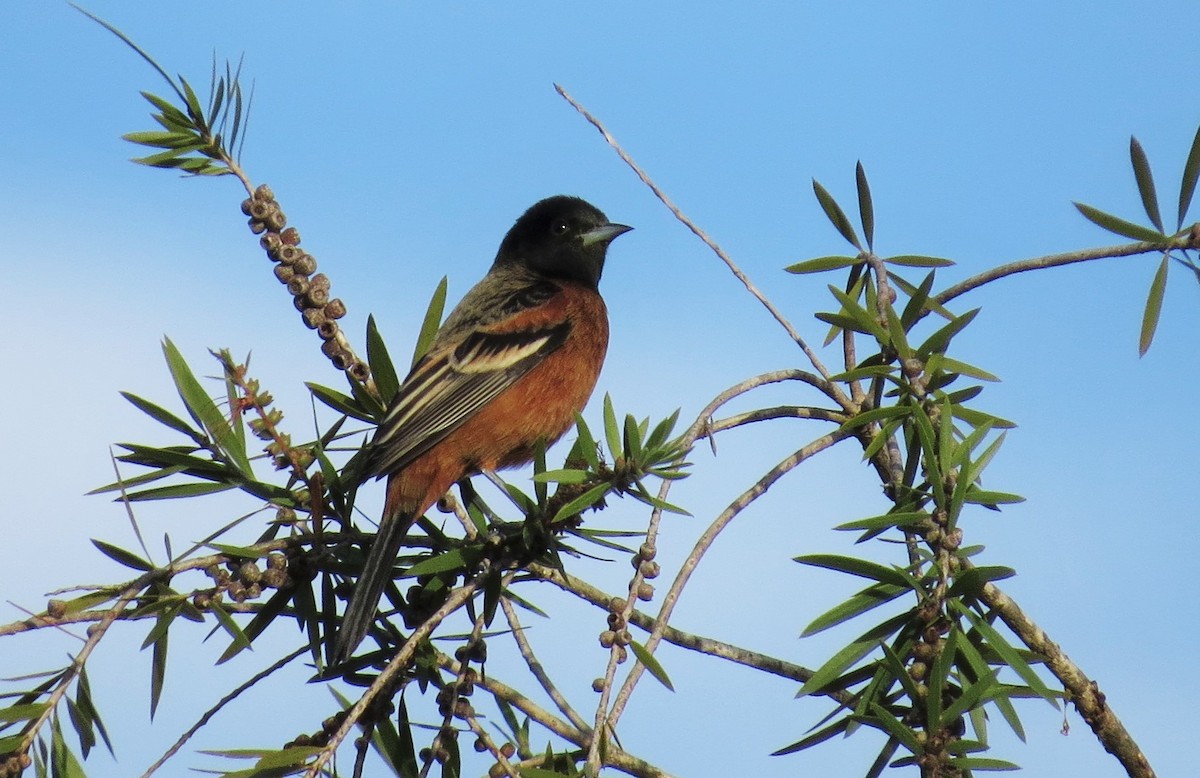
[
  {"x": 241, "y": 581},
  {"x": 296, "y": 269},
  {"x": 13, "y": 764}
]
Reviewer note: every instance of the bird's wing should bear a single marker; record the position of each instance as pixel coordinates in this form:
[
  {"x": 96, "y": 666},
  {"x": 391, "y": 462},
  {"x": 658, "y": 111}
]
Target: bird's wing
[{"x": 456, "y": 379}]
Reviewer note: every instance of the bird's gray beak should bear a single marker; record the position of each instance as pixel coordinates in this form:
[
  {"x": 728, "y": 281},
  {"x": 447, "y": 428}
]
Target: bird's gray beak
[{"x": 605, "y": 234}]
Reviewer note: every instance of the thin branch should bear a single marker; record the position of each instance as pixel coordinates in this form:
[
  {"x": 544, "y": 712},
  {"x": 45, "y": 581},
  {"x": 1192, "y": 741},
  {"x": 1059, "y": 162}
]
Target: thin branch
[
  {"x": 699, "y": 233},
  {"x": 613, "y": 757},
  {"x": 1083, "y": 692},
  {"x": 769, "y": 414},
  {"x": 1056, "y": 260},
  {"x": 698, "y": 643},
  {"x": 484, "y": 737},
  {"x": 399, "y": 663},
  {"x": 705, "y": 542},
  {"x": 228, "y": 698},
  {"x": 536, "y": 668},
  {"x": 95, "y": 634}
]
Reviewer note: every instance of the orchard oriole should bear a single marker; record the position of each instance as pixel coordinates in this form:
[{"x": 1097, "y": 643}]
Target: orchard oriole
[{"x": 508, "y": 370}]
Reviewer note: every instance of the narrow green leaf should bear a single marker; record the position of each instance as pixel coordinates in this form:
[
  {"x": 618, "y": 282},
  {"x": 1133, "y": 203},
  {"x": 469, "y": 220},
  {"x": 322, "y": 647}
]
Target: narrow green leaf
[
  {"x": 651, "y": 664},
  {"x": 1153, "y": 309},
  {"x": 342, "y": 403},
  {"x": 976, "y": 417},
  {"x": 893, "y": 667},
  {"x": 1187, "y": 187},
  {"x": 983, "y": 764},
  {"x": 121, "y": 556},
  {"x": 641, "y": 495},
  {"x": 22, "y": 712},
  {"x": 820, "y": 736},
  {"x": 918, "y": 260},
  {"x": 202, "y": 408},
  {"x": 158, "y": 666},
  {"x": 866, "y": 209},
  {"x": 565, "y": 476},
  {"x": 918, "y": 301},
  {"x": 869, "y": 371},
  {"x": 631, "y": 442},
  {"x": 885, "y": 433},
  {"x": 170, "y": 112},
  {"x": 145, "y": 478},
  {"x": 1118, "y": 225},
  {"x": 662, "y": 431},
  {"x": 239, "y": 642},
  {"x": 176, "y": 456},
  {"x": 177, "y": 491},
  {"x": 897, "y": 729},
  {"x": 171, "y": 158},
  {"x": 432, "y": 320},
  {"x": 82, "y": 726},
  {"x": 900, "y": 519},
  {"x": 860, "y": 314},
  {"x": 940, "y": 340},
  {"x": 1009, "y": 712},
  {"x": 381, "y": 363},
  {"x": 833, "y": 667},
  {"x": 612, "y": 432},
  {"x": 836, "y": 215},
  {"x": 1145, "y": 182},
  {"x": 1006, "y": 652},
  {"x": 910, "y": 290},
  {"x": 83, "y": 698},
  {"x": 581, "y": 503},
  {"x": 874, "y": 415},
  {"x": 859, "y": 603},
  {"x": 841, "y": 322},
  {"x": 983, "y": 497},
  {"x": 971, "y": 696},
  {"x": 939, "y": 672},
  {"x": 898, "y": 337},
  {"x": 162, "y": 140},
  {"x": 861, "y": 568},
  {"x": 444, "y": 562},
  {"x": 585, "y": 443},
  {"x": 822, "y": 264},
  {"x": 954, "y": 366},
  {"x": 195, "y": 110}
]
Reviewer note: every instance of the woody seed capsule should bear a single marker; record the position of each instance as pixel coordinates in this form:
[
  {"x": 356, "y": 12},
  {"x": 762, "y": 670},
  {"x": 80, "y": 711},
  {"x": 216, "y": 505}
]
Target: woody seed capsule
[{"x": 335, "y": 309}]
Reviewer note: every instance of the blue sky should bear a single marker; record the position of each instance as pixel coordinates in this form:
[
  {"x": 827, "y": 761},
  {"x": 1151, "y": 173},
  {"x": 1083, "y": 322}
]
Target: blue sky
[{"x": 403, "y": 139}]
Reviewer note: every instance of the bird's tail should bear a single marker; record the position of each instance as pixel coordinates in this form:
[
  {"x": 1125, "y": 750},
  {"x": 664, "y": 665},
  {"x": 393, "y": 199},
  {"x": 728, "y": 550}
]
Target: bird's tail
[{"x": 368, "y": 590}]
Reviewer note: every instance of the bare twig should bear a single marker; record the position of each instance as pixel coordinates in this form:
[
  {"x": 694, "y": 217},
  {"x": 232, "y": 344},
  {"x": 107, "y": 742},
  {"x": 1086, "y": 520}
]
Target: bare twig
[
  {"x": 1057, "y": 260},
  {"x": 228, "y": 698},
  {"x": 397, "y": 665},
  {"x": 769, "y": 414},
  {"x": 705, "y": 542},
  {"x": 678, "y": 637},
  {"x": 1083, "y": 692},
  {"x": 699, "y": 233},
  {"x": 613, "y": 757},
  {"x": 536, "y": 668}
]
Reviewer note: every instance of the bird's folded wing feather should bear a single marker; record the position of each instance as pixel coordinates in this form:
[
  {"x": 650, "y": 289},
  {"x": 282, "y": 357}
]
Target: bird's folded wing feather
[{"x": 450, "y": 385}]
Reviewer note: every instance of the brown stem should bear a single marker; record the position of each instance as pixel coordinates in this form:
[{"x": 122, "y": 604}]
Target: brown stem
[
  {"x": 1057, "y": 260},
  {"x": 1083, "y": 692}
]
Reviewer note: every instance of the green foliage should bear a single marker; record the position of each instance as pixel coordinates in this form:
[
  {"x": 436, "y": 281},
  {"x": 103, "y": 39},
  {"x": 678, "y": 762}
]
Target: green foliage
[{"x": 932, "y": 658}]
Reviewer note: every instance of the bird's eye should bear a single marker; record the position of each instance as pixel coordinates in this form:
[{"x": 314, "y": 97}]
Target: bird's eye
[{"x": 560, "y": 227}]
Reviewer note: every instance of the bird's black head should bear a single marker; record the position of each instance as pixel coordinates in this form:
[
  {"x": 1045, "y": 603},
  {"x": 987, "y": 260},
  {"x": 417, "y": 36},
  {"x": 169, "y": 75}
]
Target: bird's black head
[{"x": 561, "y": 237}]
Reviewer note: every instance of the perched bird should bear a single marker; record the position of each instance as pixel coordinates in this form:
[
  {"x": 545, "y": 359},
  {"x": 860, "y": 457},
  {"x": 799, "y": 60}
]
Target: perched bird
[{"x": 510, "y": 367}]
